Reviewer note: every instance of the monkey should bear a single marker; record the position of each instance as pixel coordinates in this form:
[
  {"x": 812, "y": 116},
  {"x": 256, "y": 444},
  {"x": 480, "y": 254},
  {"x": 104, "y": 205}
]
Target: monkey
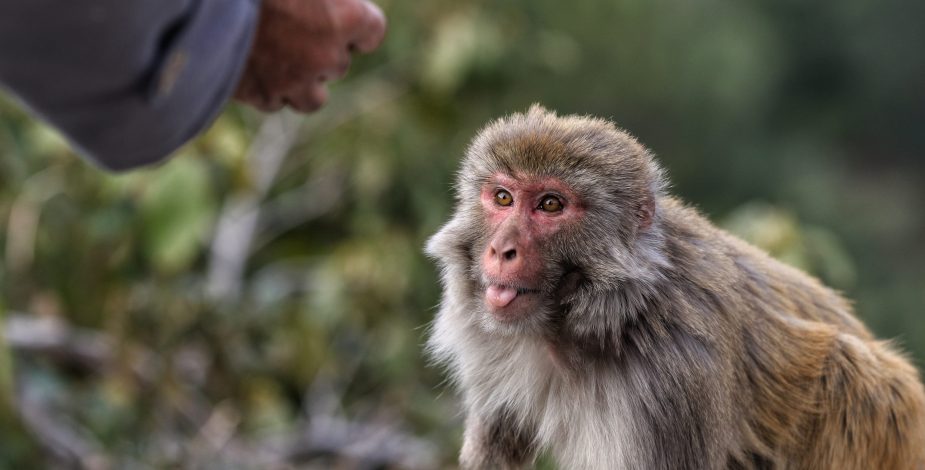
[{"x": 590, "y": 316}]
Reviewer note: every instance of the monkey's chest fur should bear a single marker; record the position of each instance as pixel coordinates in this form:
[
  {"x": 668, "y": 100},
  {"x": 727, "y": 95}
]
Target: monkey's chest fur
[{"x": 584, "y": 418}]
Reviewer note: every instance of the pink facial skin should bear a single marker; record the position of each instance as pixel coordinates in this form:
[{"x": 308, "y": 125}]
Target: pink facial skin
[{"x": 512, "y": 263}]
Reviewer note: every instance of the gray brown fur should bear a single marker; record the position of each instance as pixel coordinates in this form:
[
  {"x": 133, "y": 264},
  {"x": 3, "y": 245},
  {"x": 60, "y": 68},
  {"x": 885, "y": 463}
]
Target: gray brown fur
[{"x": 666, "y": 343}]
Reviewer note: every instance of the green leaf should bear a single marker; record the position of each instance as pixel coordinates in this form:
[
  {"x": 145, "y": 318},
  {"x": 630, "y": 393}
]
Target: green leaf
[
  {"x": 6, "y": 370},
  {"x": 177, "y": 209},
  {"x": 464, "y": 42}
]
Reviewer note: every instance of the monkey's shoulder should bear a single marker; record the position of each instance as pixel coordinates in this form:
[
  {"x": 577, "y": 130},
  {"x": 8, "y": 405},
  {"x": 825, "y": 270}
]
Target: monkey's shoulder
[{"x": 746, "y": 279}]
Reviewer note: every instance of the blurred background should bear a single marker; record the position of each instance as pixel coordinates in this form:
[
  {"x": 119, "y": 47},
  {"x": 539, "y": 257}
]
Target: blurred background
[{"x": 261, "y": 300}]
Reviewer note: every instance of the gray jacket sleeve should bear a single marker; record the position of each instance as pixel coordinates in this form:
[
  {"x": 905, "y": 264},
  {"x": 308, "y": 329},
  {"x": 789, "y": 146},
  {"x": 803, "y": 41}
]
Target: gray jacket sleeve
[{"x": 127, "y": 81}]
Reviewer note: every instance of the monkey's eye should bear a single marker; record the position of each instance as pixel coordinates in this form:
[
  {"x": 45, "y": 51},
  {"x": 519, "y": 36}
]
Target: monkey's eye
[
  {"x": 551, "y": 204},
  {"x": 503, "y": 198}
]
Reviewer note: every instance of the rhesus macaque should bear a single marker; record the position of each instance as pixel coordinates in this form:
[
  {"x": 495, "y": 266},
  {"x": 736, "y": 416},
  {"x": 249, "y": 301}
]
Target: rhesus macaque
[{"x": 589, "y": 315}]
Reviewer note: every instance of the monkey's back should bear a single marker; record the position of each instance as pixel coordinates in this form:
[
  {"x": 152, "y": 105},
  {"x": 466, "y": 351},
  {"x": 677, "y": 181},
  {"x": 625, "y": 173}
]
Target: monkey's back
[
  {"x": 824, "y": 392},
  {"x": 723, "y": 263}
]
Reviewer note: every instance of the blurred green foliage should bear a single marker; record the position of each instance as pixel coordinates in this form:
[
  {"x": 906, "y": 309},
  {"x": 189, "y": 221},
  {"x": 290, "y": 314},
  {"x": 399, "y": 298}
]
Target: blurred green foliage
[{"x": 794, "y": 124}]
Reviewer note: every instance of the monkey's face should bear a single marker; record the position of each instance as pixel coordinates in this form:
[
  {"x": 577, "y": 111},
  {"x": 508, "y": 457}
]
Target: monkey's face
[
  {"x": 551, "y": 213},
  {"x": 523, "y": 215}
]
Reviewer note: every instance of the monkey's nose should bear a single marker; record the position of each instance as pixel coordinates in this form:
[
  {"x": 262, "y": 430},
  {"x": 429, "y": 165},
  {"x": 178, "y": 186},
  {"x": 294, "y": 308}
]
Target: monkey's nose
[{"x": 503, "y": 253}]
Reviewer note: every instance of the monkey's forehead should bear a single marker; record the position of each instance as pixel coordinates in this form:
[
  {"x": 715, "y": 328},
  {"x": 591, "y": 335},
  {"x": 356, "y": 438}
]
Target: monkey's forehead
[{"x": 541, "y": 143}]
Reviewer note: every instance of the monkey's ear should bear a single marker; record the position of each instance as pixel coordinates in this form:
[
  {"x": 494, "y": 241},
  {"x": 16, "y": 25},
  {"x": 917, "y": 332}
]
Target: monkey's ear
[
  {"x": 449, "y": 243},
  {"x": 645, "y": 212}
]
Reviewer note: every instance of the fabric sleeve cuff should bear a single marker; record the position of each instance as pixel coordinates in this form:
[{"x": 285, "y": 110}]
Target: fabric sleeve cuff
[{"x": 196, "y": 75}]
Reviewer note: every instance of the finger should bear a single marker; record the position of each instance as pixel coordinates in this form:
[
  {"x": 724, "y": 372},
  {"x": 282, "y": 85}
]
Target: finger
[
  {"x": 251, "y": 92},
  {"x": 364, "y": 25},
  {"x": 246, "y": 90},
  {"x": 308, "y": 98},
  {"x": 330, "y": 65}
]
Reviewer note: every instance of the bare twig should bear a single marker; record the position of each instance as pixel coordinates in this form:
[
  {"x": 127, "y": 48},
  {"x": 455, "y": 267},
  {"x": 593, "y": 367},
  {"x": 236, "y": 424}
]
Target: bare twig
[
  {"x": 49, "y": 335},
  {"x": 216, "y": 434},
  {"x": 86, "y": 348},
  {"x": 25, "y": 213},
  {"x": 63, "y": 439},
  {"x": 369, "y": 445},
  {"x": 237, "y": 223},
  {"x": 292, "y": 208}
]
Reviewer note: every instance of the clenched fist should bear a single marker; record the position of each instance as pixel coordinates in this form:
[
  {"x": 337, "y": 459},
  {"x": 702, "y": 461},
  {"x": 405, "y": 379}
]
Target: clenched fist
[{"x": 302, "y": 44}]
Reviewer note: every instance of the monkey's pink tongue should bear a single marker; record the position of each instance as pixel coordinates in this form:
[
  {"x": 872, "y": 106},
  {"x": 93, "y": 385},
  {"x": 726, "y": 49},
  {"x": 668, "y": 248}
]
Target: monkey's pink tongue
[{"x": 500, "y": 296}]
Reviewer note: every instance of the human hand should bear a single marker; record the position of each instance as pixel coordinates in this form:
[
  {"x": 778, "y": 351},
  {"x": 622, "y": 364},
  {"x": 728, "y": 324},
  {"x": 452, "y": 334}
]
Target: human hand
[{"x": 302, "y": 44}]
